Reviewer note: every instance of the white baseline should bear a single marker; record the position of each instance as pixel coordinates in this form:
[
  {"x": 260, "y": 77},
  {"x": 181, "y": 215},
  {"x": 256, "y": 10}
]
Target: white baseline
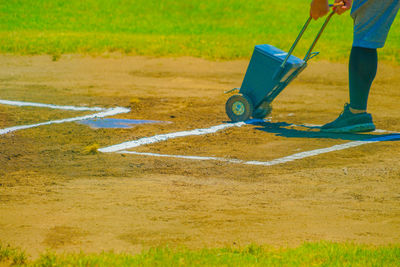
[
  {"x": 290, "y": 158},
  {"x": 104, "y": 113},
  {"x": 122, "y": 148},
  {"x": 110, "y": 112},
  {"x": 165, "y": 137},
  {"x": 40, "y": 105}
]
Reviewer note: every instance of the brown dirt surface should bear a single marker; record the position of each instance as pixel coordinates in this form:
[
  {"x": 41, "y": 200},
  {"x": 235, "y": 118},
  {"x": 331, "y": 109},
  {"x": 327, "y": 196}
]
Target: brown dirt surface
[{"x": 53, "y": 194}]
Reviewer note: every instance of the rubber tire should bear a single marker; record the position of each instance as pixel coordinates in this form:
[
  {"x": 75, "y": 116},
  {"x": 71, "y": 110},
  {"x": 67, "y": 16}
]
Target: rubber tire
[
  {"x": 262, "y": 111},
  {"x": 239, "y": 101}
]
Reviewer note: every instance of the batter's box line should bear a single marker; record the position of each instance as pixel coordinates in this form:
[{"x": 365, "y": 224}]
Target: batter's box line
[
  {"x": 104, "y": 113},
  {"x": 122, "y": 148}
]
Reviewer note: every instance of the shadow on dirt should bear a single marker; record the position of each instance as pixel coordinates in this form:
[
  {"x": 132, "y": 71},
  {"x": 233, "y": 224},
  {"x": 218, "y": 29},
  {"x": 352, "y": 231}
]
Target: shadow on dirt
[{"x": 289, "y": 130}]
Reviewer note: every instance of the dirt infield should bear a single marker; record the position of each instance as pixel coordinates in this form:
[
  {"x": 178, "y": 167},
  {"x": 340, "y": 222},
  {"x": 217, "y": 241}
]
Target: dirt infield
[{"x": 53, "y": 194}]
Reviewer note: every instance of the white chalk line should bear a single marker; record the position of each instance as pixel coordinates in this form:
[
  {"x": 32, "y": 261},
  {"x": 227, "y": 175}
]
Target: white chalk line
[
  {"x": 31, "y": 104},
  {"x": 165, "y": 137},
  {"x": 109, "y": 112},
  {"x": 104, "y": 113},
  {"x": 122, "y": 148},
  {"x": 316, "y": 126},
  {"x": 179, "y": 156},
  {"x": 287, "y": 159}
]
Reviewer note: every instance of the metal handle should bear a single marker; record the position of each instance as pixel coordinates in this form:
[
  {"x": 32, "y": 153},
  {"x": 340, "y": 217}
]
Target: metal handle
[
  {"x": 296, "y": 42},
  {"x": 309, "y": 53}
]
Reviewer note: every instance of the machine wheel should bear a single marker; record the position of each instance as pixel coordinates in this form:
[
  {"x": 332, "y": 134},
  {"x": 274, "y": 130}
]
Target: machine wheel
[
  {"x": 262, "y": 111},
  {"x": 239, "y": 108}
]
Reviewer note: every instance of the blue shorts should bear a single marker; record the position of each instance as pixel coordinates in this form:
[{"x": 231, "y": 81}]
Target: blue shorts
[{"x": 372, "y": 21}]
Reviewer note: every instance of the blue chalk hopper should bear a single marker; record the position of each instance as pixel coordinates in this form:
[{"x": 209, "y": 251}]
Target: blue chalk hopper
[{"x": 269, "y": 72}]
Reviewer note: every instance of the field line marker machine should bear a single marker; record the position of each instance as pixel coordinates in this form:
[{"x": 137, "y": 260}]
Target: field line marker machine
[{"x": 269, "y": 72}]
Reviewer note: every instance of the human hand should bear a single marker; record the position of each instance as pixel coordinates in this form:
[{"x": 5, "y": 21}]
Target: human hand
[
  {"x": 319, "y": 8},
  {"x": 346, "y": 6}
]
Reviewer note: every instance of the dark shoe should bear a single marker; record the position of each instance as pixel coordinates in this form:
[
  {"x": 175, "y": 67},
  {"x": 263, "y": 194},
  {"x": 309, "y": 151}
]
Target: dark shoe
[{"x": 348, "y": 122}]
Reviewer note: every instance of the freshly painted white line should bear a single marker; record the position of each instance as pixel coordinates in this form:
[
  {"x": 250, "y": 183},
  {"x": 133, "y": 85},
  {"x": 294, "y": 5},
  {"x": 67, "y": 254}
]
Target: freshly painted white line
[
  {"x": 311, "y": 126},
  {"x": 311, "y": 153},
  {"x": 31, "y": 104},
  {"x": 290, "y": 158},
  {"x": 106, "y": 113},
  {"x": 178, "y": 156},
  {"x": 382, "y": 131},
  {"x": 164, "y": 137},
  {"x": 316, "y": 152},
  {"x": 316, "y": 126}
]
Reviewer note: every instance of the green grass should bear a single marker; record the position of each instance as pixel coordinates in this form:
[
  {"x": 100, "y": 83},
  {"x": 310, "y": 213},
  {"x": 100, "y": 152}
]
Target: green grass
[
  {"x": 309, "y": 254},
  {"x": 14, "y": 256},
  {"x": 218, "y": 29}
]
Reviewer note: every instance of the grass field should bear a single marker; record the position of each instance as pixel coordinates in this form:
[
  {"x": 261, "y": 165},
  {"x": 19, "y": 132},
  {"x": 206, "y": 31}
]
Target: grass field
[
  {"x": 315, "y": 254},
  {"x": 58, "y": 192},
  {"x": 218, "y": 29}
]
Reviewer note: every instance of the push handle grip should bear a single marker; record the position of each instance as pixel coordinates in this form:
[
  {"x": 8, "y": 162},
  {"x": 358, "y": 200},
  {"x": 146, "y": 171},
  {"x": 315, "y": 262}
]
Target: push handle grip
[
  {"x": 309, "y": 52},
  {"x": 335, "y": 5}
]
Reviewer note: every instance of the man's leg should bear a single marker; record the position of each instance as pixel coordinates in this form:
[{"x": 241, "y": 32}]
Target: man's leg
[
  {"x": 362, "y": 71},
  {"x": 372, "y": 21}
]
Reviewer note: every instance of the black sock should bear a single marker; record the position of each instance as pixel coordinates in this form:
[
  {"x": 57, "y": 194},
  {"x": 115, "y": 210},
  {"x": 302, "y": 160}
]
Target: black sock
[{"x": 362, "y": 71}]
